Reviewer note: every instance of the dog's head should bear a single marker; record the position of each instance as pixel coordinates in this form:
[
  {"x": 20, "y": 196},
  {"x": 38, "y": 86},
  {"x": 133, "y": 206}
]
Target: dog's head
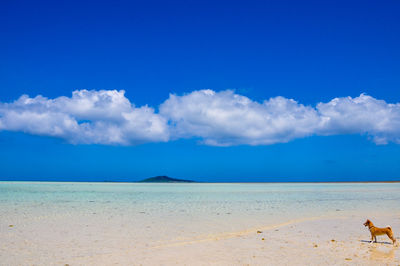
[{"x": 367, "y": 222}]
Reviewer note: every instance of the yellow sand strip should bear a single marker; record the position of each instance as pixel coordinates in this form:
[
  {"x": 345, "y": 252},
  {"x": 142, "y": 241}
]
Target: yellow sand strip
[{"x": 228, "y": 235}]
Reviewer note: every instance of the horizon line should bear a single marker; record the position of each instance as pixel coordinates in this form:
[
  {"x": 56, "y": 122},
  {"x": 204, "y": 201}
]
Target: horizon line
[{"x": 204, "y": 182}]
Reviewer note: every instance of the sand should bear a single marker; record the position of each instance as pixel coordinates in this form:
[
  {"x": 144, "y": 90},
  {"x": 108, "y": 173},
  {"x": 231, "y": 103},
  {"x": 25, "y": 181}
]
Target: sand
[{"x": 340, "y": 240}]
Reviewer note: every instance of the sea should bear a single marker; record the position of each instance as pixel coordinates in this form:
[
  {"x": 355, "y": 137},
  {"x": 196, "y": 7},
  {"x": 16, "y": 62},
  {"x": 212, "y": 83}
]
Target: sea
[{"x": 184, "y": 209}]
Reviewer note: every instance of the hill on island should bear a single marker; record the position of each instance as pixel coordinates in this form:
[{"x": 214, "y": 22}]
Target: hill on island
[{"x": 165, "y": 179}]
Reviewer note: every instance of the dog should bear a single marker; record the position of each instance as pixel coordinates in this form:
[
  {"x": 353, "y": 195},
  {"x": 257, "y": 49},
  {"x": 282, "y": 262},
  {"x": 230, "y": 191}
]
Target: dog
[{"x": 375, "y": 231}]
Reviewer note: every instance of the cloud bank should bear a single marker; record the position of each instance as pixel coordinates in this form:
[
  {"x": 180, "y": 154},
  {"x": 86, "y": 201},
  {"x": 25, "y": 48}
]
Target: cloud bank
[
  {"x": 88, "y": 117},
  {"x": 216, "y": 118}
]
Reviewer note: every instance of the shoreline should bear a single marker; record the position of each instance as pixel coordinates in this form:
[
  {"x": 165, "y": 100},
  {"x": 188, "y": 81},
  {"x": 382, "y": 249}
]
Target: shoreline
[{"x": 199, "y": 182}]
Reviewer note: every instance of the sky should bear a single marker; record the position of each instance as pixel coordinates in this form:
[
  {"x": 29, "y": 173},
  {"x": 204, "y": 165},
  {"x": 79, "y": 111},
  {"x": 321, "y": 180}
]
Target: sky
[{"x": 213, "y": 91}]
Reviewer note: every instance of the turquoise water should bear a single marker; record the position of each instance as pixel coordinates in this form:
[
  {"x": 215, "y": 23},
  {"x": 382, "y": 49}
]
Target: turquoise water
[
  {"x": 140, "y": 214},
  {"x": 203, "y": 197},
  {"x": 254, "y": 203}
]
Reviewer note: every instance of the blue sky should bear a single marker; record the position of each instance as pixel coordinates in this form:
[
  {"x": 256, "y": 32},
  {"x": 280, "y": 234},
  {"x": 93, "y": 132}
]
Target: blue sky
[{"x": 309, "y": 51}]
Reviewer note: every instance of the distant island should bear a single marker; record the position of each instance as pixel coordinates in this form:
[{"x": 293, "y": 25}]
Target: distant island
[{"x": 164, "y": 179}]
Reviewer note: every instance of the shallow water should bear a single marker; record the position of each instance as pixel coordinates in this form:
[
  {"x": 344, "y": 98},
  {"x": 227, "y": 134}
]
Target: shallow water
[{"x": 193, "y": 208}]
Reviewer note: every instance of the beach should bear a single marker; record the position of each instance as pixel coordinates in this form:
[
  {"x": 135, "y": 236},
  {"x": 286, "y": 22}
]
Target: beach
[{"x": 56, "y": 223}]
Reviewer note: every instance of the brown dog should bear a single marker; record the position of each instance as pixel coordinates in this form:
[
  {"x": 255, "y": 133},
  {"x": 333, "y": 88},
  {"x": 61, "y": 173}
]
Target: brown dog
[{"x": 375, "y": 231}]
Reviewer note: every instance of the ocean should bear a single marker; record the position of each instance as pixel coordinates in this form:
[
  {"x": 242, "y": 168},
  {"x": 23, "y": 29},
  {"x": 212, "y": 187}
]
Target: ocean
[{"x": 195, "y": 206}]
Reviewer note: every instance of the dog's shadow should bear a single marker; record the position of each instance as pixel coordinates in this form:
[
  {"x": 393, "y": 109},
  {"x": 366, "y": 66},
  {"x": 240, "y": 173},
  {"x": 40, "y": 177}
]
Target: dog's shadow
[
  {"x": 378, "y": 242},
  {"x": 379, "y": 252}
]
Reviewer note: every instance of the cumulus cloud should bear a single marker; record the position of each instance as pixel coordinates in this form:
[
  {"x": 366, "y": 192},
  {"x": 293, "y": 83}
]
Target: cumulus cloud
[
  {"x": 101, "y": 117},
  {"x": 226, "y": 118},
  {"x": 361, "y": 115},
  {"x": 216, "y": 118}
]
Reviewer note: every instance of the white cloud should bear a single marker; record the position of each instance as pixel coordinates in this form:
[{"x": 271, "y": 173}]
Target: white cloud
[
  {"x": 103, "y": 117},
  {"x": 217, "y": 118},
  {"x": 226, "y": 118},
  {"x": 361, "y": 115}
]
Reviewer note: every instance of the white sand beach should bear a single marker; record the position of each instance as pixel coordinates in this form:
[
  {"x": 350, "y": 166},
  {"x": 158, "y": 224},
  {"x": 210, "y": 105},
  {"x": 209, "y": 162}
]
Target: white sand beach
[{"x": 53, "y": 224}]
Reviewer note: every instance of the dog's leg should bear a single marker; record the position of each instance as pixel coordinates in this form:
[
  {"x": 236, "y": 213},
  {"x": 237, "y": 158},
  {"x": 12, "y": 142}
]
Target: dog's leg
[
  {"x": 390, "y": 235},
  {"x": 375, "y": 239},
  {"x": 372, "y": 238}
]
